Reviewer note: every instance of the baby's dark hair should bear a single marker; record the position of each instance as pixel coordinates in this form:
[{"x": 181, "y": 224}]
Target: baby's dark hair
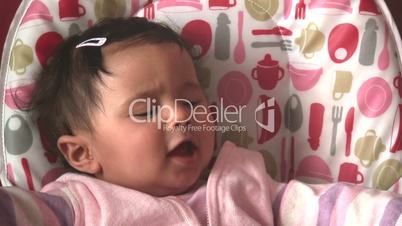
[{"x": 65, "y": 94}]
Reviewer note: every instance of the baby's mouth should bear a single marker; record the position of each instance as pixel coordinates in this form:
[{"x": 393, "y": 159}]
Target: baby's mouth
[{"x": 184, "y": 149}]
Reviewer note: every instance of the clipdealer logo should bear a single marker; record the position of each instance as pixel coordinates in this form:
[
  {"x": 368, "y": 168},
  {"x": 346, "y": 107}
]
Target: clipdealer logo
[
  {"x": 201, "y": 114},
  {"x": 267, "y": 111}
]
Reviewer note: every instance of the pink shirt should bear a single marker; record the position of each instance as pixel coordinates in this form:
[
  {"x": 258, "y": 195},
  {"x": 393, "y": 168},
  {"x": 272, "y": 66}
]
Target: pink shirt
[{"x": 238, "y": 192}]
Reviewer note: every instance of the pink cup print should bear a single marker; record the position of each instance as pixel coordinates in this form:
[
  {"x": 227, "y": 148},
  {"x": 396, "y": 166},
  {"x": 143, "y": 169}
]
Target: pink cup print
[
  {"x": 349, "y": 172},
  {"x": 267, "y": 73},
  {"x": 18, "y": 97},
  {"x": 70, "y": 10}
]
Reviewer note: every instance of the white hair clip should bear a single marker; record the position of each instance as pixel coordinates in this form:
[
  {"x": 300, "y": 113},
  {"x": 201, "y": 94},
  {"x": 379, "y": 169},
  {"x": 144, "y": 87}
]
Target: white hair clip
[{"x": 92, "y": 42}]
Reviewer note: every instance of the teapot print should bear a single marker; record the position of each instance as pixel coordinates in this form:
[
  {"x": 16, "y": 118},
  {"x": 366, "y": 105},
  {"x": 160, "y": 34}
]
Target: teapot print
[
  {"x": 310, "y": 41},
  {"x": 368, "y": 148},
  {"x": 21, "y": 57}
]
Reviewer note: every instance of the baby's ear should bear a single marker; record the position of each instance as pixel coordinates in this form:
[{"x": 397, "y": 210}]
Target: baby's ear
[{"x": 77, "y": 153}]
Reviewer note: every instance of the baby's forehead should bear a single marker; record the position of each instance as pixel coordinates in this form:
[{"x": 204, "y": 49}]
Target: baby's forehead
[
  {"x": 146, "y": 61},
  {"x": 117, "y": 47},
  {"x": 134, "y": 46}
]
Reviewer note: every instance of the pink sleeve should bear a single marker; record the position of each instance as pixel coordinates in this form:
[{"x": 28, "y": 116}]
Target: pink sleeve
[
  {"x": 241, "y": 188},
  {"x": 335, "y": 204},
  {"x": 96, "y": 202}
]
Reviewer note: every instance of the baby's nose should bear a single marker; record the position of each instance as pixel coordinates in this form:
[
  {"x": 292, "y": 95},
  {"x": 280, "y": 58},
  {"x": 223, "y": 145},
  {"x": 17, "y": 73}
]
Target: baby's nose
[{"x": 180, "y": 115}]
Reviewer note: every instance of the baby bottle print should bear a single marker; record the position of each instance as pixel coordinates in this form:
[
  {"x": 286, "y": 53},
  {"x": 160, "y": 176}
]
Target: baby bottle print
[
  {"x": 222, "y": 38},
  {"x": 368, "y": 44}
]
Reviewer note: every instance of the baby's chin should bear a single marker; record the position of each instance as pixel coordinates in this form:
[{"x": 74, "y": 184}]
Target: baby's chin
[{"x": 179, "y": 189}]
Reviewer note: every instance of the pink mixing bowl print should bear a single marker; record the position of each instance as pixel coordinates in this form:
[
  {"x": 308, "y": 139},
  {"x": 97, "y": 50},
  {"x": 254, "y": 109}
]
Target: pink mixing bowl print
[
  {"x": 304, "y": 76},
  {"x": 374, "y": 97},
  {"x": 19, "y": 97}
]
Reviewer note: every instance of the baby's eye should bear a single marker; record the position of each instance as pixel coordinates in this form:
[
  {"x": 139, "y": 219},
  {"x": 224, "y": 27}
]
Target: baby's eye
[
  {"x": 192, "y": 103},
  {"x": 144, "y": 114}
]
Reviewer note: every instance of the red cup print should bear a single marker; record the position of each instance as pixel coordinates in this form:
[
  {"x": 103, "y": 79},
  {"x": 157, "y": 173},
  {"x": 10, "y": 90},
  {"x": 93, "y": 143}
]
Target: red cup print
[
  {"x": 70, "y": 10},
  {"x": 349, "y": 172}
]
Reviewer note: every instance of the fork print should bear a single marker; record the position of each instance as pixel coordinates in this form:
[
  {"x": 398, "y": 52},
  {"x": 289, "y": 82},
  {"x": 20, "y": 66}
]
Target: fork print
[
  {"x": 149, "y": 10},
  {"x": 336, "y": 118},
  {"x": 300, "y": 12},
  {"x": 285, "y": 45}
]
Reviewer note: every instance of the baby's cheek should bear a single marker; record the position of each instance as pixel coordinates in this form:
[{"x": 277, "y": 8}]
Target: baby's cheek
[
  {"x": 147, "y": 134},
  {"x": 204, "y": 114},
  {"x": 203, "y": 122}
]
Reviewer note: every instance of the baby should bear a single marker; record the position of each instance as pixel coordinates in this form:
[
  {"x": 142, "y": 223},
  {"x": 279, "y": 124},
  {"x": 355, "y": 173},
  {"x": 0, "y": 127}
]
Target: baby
[
  {"x": 89, "y": 102},
  {"x": 97, "y": 102}
]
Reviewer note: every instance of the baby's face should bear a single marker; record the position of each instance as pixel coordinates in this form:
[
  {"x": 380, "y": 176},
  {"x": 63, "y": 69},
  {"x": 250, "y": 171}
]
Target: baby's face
[{"x": 139, "y": 155}]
